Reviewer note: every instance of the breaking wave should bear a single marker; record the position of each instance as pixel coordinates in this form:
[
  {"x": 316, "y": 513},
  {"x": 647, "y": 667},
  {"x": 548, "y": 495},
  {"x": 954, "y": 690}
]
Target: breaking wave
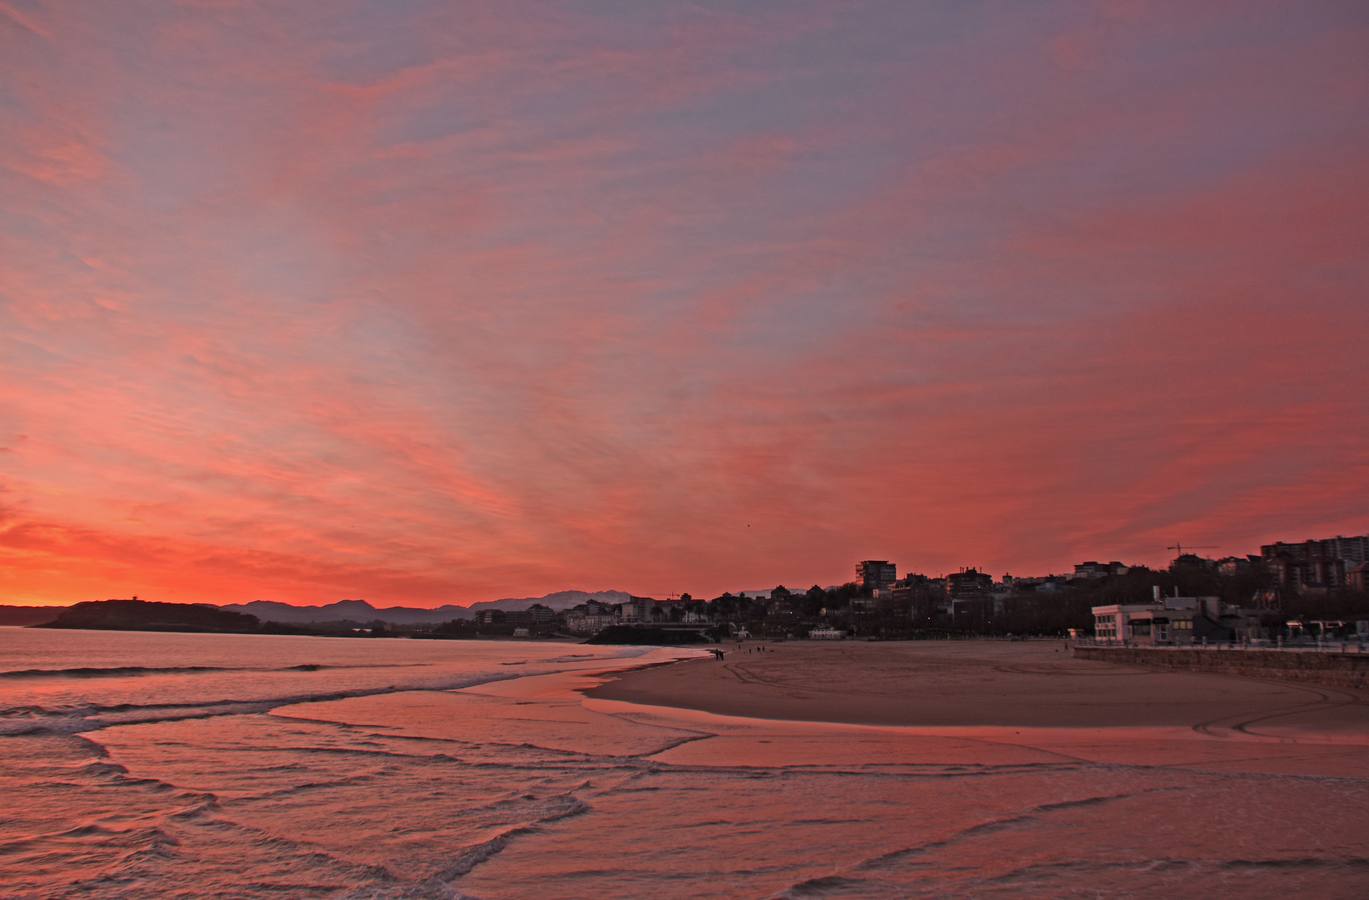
[
  {"x": 112, "y": 672},
  {"x": 135, "y": 671},
  {"x": 37, "y": 720}
]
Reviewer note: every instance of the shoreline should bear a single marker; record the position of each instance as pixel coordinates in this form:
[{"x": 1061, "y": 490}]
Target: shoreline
[
  {"x": 974, "y": 684},
  {"x": 527, "y": 776}
]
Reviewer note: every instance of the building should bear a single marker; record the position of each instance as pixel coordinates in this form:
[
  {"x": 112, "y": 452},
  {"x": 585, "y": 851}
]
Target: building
[
  {"x": 541, "y": 614},
  {"x": 1143, "y": 623},
  {"x": 782, "y": 602},
  {"x": 590, "y": 617},
  {"x": 1093, "y": 569},
  {"x": 1236, "y": 565},
  {"x": 974, "y": 605},
  {"x": 976, "y": 612},
  {"x": 1352, "y": 550},
  {"x": 924, "y": 600},
  {"x": 1357, "y": 577},
  {"x": 876, "y": 574},
  {"x": 1304, "y": 573},
  {"x": 1046, "y": 584},
  {"x": 1192, "y": 562},
  {"x": 864, "y": 604},
  {"x": 1172, "y": 621},
  {"x": 537, "y": 617},
  {"x": 1315, "y": 564},
  {"x": 638, "y": 610},
  {"x": 696, "y": 614},
  {"x": 968, "y": 583}
]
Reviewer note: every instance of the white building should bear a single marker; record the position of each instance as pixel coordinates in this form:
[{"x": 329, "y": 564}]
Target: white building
[
  {"x": 591, "y": 617},
  {"x": 638, "y": 609},
  {"x": 1143, "y": 623},
  {"x": 1167, "y": 620}
]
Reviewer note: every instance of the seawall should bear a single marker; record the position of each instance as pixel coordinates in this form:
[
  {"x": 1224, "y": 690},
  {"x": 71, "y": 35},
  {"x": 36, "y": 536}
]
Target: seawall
[{"x": 1333, "y": 669}]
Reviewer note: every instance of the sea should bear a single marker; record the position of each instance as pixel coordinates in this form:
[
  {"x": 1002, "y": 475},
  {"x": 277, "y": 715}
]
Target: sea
[{"x": 163, "y": 765}]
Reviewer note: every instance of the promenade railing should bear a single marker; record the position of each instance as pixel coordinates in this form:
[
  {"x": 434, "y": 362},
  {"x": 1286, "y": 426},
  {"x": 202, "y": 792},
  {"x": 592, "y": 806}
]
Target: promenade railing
[{"x": 1347, "y": 645}]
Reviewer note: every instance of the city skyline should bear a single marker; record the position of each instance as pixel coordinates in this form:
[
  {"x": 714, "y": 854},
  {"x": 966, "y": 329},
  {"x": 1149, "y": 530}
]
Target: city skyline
[
  {"x": 1083, "y": 568},
  {"x": 438, "y": 306}
]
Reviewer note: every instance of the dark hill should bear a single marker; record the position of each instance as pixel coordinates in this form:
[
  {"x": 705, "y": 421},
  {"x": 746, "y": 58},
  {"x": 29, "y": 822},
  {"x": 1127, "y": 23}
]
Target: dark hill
[
  {"x": 146, "y": 615},
  {"x": 29, "y": 615}
]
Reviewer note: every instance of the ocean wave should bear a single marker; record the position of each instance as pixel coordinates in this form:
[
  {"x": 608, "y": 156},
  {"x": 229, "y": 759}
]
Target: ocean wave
[
  {"x": 828, "y": 886},
  {"x": 307, "y": 787},
  {"x": 37, "y": 720},
  {"x": 1030, "y": 878},
  {"x": 1300, "y": 862},
  {"x": 427, "y": 890},
  {"x": 558, "y": 808},
  {"x": 136, "y": 836},
  {"x": 112, "y": 672},
  {"x": 476, "y": 854},
  {"x": 137, "y": 671},
  {"x": 322, "y": 667}
]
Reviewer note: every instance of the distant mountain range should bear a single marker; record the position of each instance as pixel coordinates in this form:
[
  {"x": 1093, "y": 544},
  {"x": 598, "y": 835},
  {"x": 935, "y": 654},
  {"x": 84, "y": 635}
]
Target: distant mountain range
[
  {"x": 358, "y": 611},
  {"x": 361, "y": 611}
]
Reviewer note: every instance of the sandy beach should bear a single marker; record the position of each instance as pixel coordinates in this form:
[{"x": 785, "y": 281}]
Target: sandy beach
[{"x": 1035, "y": 684}]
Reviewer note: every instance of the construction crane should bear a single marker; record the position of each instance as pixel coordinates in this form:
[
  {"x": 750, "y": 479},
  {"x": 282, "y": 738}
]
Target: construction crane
[{"x": 1178, "y": 548}]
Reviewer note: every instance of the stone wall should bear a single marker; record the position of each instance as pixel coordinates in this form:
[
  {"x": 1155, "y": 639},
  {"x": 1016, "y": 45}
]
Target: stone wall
[{"x": 1334, "y": 669}]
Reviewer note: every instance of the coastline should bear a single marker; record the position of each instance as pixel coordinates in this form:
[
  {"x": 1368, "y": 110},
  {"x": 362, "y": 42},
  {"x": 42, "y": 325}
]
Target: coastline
[
  {"x": 970, "y": 684},
  {"x": 503, "y": 770}
]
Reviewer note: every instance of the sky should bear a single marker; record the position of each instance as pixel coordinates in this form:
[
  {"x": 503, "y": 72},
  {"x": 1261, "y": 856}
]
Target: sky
[{"x": 443, "y": 302}]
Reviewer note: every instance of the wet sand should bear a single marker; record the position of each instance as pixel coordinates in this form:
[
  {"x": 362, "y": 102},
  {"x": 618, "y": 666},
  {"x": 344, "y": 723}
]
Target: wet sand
[
  {"x": 1034, "y": 684},
  {"x": 966, "y": 769},
  {"x": 811, "y": 808}
]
